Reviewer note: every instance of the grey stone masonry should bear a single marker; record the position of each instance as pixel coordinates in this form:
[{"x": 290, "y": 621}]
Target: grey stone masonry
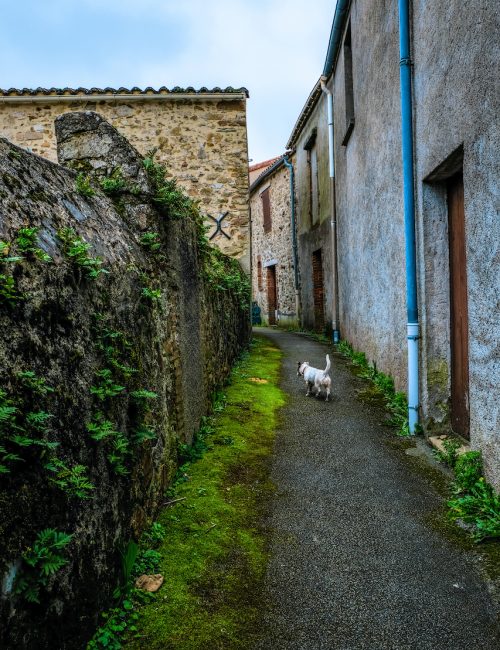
[{"x": 272, "y": 247}]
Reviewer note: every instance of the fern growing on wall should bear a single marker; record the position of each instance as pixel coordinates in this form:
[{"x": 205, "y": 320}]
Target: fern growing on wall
[{"x": 41, "y": 562}]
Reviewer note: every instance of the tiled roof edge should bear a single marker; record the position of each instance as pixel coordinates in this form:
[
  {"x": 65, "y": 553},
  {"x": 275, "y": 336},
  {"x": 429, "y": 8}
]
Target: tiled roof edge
[
  {"x": 267, "y": 172},
  {"x": 65, "y": 92},
  {"x": 264, "y": 163}
]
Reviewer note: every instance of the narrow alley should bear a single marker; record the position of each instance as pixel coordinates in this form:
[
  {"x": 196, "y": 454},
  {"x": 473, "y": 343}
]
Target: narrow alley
[
  {"x": 355, "y": 562},
  {"x": 193, "y": 198}
]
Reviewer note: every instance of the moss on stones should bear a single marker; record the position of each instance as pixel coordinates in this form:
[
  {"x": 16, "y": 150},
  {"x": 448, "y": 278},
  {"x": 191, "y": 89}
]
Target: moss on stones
[
  {"x": 437, "y": 374},
  {"x": 215, "y": 552}
]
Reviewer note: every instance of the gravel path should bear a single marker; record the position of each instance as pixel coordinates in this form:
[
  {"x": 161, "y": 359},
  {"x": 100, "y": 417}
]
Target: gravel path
[{"x": 353, "y": 564}]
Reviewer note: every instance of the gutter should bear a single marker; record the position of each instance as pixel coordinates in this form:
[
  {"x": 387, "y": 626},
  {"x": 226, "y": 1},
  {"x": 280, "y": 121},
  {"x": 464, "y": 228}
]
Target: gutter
[
  {"x": 341, "y": 11},
  {"x": 308, "y": 108},
  {"x": 409, "y": 213},
  {"x": 333, "y": 212}
]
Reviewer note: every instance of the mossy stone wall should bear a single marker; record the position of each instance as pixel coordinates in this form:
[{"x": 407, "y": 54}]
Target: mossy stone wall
[{"x": 177, "y": 341}]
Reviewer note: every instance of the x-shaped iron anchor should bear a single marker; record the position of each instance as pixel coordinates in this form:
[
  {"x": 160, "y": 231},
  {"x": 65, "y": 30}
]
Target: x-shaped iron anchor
[{"x": 218, "y": 225}]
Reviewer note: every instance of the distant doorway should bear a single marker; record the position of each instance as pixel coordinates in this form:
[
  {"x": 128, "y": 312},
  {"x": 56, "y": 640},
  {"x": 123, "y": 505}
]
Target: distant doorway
[
  {"x": 318, "y": 292},
  {"x": 459, "y": 321},
  {"x": 272, "y": 299}
]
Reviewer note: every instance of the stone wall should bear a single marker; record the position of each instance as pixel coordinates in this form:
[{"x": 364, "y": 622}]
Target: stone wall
[
  {"x": 203, "y": 142},
  {"x": 274, "y": 247},
  {"x": 154, "y": 321}
]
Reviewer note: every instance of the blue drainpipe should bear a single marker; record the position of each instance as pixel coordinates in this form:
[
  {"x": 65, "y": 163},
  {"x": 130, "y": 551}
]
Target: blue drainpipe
[
  {"x": 294, "y": 234},
  {"x": 409, "y": 212}
]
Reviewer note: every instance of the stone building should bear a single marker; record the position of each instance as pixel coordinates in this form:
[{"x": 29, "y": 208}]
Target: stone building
[
  {"x": 274, "y": 279},
  {"x": 456, "y": 141},
  {"x": 200, "y": 135}
]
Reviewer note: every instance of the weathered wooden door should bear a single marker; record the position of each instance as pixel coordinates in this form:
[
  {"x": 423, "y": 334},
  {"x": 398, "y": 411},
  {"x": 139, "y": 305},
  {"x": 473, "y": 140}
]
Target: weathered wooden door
[
  {"x": 318, "y": 292},
  {"x": 459, "y": 322},
  {"x": 272, "y": 299}
]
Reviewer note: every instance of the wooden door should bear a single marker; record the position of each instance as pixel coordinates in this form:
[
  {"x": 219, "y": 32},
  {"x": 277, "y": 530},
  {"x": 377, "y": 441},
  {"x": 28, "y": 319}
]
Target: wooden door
[
  {"x": 459, "y": 325},
  {"x": 272, "y": 299},
  {"x": 318, "y": 292}
]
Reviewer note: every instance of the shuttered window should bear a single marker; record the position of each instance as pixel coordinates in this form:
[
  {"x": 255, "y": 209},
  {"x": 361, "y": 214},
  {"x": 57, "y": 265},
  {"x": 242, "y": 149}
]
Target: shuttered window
[{"x": 266, "y": 209}]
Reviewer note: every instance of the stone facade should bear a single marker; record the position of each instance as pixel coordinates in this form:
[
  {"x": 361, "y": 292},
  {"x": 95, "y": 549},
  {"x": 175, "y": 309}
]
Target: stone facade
[
  {"x": 272, "y": 251},
  {"x": 68, "y": 328},
  {"x": 200, "y": 136},
  {"x": 456, "y": 108}
]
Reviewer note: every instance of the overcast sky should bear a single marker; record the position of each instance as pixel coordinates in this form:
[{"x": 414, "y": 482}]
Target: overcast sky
[{"x": 276, "y": 48}]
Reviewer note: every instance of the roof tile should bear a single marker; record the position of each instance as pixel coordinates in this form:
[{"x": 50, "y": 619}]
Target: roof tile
[{"x": 119, "y": 91}]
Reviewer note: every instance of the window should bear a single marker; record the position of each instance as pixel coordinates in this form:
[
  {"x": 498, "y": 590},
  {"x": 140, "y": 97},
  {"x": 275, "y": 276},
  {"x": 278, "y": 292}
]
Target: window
[
  {"x": 348, "y": 86},
  {"x": 312, "y": 170},
  {"x": 314, "y": 207},
  {"x": 259, "y": 274},
  {"x": 266, "y": 209}
]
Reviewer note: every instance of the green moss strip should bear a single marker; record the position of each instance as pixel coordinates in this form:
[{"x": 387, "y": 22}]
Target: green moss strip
[{"x": 214, "y": 552}]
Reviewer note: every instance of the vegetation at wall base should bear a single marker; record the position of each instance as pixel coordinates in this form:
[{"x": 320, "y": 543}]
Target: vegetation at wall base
[
  {"x": 395, "y": 402},
  {"x": 473, "y": 500},
  {"x": 208, "y": 542},
  {"x": 449, "y": 454}
]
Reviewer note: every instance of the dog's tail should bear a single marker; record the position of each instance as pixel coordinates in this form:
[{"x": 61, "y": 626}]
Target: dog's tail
[{"x": 327, "y": 369}]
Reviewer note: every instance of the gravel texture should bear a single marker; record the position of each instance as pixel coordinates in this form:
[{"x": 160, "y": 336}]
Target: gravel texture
[{"x": 353, "y": 563}]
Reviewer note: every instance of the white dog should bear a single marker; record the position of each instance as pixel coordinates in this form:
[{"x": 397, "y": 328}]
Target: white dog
[{"x": 315, "y": 378}]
